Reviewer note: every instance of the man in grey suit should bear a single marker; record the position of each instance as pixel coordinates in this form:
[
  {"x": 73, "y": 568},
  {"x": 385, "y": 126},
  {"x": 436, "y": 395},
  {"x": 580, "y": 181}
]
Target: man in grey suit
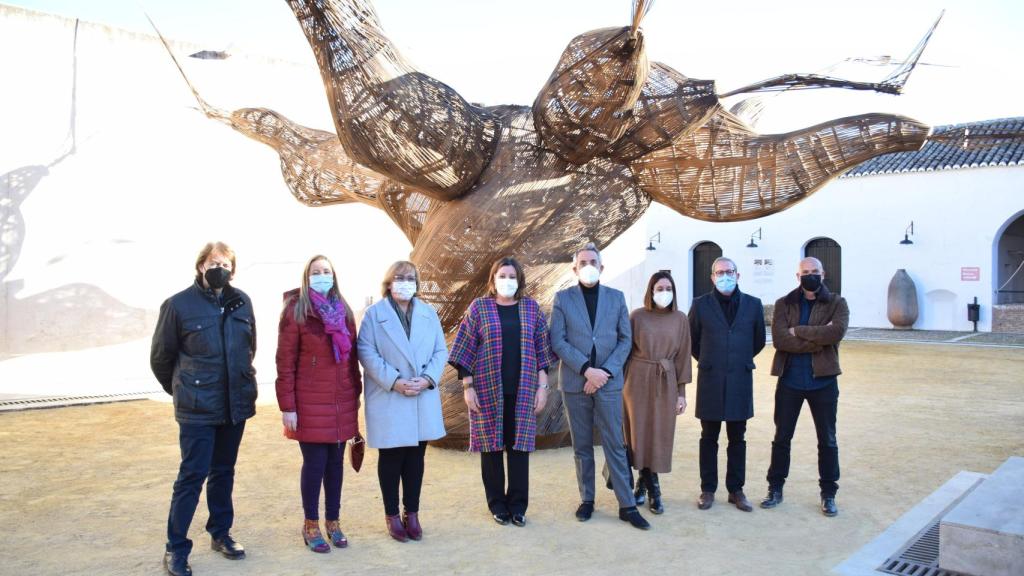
[{"x": 591, "y": 336}]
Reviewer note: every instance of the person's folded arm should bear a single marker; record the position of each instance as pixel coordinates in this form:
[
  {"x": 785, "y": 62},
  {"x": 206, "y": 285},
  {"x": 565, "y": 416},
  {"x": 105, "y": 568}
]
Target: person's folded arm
[
  {"x": 783, "y": 340},
  {"x": 831, "y": 333}
]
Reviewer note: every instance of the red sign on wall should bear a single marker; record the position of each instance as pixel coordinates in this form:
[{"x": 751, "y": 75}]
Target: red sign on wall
[{"x": 970, "y": 274}]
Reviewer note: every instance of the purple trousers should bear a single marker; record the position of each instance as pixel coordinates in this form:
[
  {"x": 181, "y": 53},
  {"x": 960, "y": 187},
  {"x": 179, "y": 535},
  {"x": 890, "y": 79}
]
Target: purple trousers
[{"x": 321, "y": 464}]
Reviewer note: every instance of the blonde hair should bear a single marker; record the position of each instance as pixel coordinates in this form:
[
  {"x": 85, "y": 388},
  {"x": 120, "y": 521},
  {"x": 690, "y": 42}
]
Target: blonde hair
[
  {"x": 218, "y": 248},
  {"x": 400, "y": 267},
  {"x": 304, "y": 305}
]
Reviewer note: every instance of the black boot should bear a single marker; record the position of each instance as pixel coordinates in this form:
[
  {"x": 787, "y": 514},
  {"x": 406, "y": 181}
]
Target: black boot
[
  {"x": 640, "y": 494},
  {"x": 773, "y": 499},
  {"x": 828, "y": 506},
  {"x": 655, "y": 490}
]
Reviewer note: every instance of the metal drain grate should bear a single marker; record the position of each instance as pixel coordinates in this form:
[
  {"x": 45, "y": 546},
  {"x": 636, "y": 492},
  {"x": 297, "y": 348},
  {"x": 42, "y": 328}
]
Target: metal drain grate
[
  {"x": 57, "y": 401},
  {"x": 920, "y": 556}
]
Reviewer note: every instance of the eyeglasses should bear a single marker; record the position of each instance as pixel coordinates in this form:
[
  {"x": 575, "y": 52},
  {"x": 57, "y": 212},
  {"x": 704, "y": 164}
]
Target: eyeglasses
[
  {"x": 409, "y": 278},
  {"x": 720, "y": 273}
]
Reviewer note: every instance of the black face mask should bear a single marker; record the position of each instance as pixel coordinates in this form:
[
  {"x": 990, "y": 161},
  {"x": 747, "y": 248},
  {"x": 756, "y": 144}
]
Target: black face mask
[
  {"x": 810, "y": 282},
  {"x": 217, "y": 278}
]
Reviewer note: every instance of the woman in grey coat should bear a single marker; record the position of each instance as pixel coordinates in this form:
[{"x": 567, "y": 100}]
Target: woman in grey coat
[{"x": 402, "y": 350}]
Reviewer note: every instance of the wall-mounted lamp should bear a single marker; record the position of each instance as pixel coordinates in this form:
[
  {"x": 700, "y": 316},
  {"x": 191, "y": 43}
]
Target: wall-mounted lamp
[
  {"x": 651, "y": 240},
  {"x": 756, "y": 233},
  {"x": 907, "y": 234}
]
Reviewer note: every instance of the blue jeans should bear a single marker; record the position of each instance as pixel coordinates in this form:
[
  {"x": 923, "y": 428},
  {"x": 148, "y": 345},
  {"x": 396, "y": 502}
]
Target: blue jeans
[{"x": 208, "y": 454}]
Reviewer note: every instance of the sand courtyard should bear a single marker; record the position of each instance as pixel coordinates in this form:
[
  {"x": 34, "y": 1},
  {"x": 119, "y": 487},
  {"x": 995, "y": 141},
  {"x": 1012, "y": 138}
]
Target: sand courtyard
[{"x": 85, "y": 489}]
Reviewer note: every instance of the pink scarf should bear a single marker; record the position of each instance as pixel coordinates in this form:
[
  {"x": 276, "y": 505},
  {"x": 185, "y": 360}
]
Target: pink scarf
[{"x": 332, "y": 312}]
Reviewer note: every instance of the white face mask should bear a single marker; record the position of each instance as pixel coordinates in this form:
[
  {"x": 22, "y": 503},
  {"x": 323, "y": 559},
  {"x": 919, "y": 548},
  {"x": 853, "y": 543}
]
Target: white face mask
[
  {"x": 663, "y": 299},
  {"x": 506, "y": 287},
  {"x": 403, "y": 290},
  {"x": 589, "y": 275}
]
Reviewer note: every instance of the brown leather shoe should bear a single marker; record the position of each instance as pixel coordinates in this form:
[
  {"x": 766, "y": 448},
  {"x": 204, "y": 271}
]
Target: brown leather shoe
[
  {"x": 740, "y": 500},
  {"x": 412, "y": 525},
  {"x": 705, "y": 500},
  {"x": 395, "y": 528}
]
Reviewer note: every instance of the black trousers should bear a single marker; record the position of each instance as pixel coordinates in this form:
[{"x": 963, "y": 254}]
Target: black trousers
[
  {"x": 402, "y": 465},
  {"x": 208, "y": 454},
  {"x": 736, "y": 455},
  {"x": 824, "y": 403},
  {"x": 514, "y": 499}
]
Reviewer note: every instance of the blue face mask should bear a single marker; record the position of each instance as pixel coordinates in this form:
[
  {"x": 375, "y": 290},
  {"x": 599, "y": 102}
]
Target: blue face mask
[
  {"x": 322, "y": 283},
  {"x": 725, "y": 284}
]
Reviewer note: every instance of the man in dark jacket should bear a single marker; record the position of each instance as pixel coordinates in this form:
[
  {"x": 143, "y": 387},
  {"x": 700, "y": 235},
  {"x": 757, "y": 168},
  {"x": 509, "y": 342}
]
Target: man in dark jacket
[
  {"x": 807, "y": 326},
  {"x": 202, "y": 355},
  {"x": 727, "y": 332}
]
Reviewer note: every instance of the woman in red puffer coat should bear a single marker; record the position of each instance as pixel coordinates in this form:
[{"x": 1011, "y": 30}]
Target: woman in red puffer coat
[{"x": 318, "y": 387}]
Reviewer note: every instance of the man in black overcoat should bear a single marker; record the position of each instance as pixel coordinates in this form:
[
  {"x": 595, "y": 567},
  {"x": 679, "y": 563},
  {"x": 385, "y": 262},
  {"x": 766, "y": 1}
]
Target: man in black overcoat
[{"x": 727, "y": 332}]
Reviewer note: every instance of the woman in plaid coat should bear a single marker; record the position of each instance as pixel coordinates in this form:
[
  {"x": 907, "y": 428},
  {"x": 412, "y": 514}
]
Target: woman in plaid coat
[{"x": 502, "y": 354}]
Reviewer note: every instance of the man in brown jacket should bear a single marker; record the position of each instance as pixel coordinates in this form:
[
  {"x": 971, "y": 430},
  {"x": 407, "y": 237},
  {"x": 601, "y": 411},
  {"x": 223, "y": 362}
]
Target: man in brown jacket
[{"x": 807, "y": 326}]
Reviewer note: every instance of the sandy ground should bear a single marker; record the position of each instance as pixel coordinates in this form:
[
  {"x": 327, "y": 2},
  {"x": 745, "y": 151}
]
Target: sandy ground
[{"x": 86, "y": 489}]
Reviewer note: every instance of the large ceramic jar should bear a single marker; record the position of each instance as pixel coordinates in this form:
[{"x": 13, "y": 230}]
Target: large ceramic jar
[{"x": 902, "y": 304}]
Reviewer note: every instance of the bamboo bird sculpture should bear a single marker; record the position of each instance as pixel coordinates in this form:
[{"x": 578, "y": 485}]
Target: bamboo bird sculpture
[{"x": 608, "y": 133}]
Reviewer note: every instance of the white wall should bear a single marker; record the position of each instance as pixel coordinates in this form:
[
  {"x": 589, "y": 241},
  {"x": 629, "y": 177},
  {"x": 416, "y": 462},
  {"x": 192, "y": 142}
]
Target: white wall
[
  {"x": 94, "y": 240},
  {"x": 957, "y": 215}
]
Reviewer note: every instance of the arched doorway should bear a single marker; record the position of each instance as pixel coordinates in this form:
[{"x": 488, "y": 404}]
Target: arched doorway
[
  {"x": 704, "y": 255},
  {"x": 830, "y": 254},
  {"x": 1009, "y": 270}
]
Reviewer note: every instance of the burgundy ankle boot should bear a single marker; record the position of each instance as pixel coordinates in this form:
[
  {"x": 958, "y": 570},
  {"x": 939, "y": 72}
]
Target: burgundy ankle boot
[
  {"x": 396, "y": 529},
  {"x": 412, "y": 525}
]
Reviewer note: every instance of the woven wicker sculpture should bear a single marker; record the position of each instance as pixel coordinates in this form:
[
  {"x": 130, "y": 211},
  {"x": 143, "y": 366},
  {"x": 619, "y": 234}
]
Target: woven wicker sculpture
[{"x": 607, "y": 133}]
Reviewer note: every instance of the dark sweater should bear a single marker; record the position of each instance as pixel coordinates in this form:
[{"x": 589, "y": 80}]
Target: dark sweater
[
  {"x": 511, "y": 350},
  {"x": 730, "y": 304},
  {"x": 590, "y": 297},
  {"x": 799, "y": 373}
]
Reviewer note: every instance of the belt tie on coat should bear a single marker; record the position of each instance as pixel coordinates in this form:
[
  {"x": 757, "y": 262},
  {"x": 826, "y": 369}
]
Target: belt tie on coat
[{"x": 666, "y": 370}]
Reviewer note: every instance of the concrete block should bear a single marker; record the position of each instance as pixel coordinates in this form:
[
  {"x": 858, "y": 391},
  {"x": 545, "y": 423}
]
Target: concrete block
[
  {"x": 983, "y": 535},
  {"x": 865, "y": 562}
]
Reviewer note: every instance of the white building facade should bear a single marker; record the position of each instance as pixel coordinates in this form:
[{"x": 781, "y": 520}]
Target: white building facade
[{"x": 967, "y": 211}]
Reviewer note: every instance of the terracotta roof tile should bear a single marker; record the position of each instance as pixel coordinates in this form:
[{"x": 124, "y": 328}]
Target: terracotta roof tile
[{"x": 937, "y": 155}]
